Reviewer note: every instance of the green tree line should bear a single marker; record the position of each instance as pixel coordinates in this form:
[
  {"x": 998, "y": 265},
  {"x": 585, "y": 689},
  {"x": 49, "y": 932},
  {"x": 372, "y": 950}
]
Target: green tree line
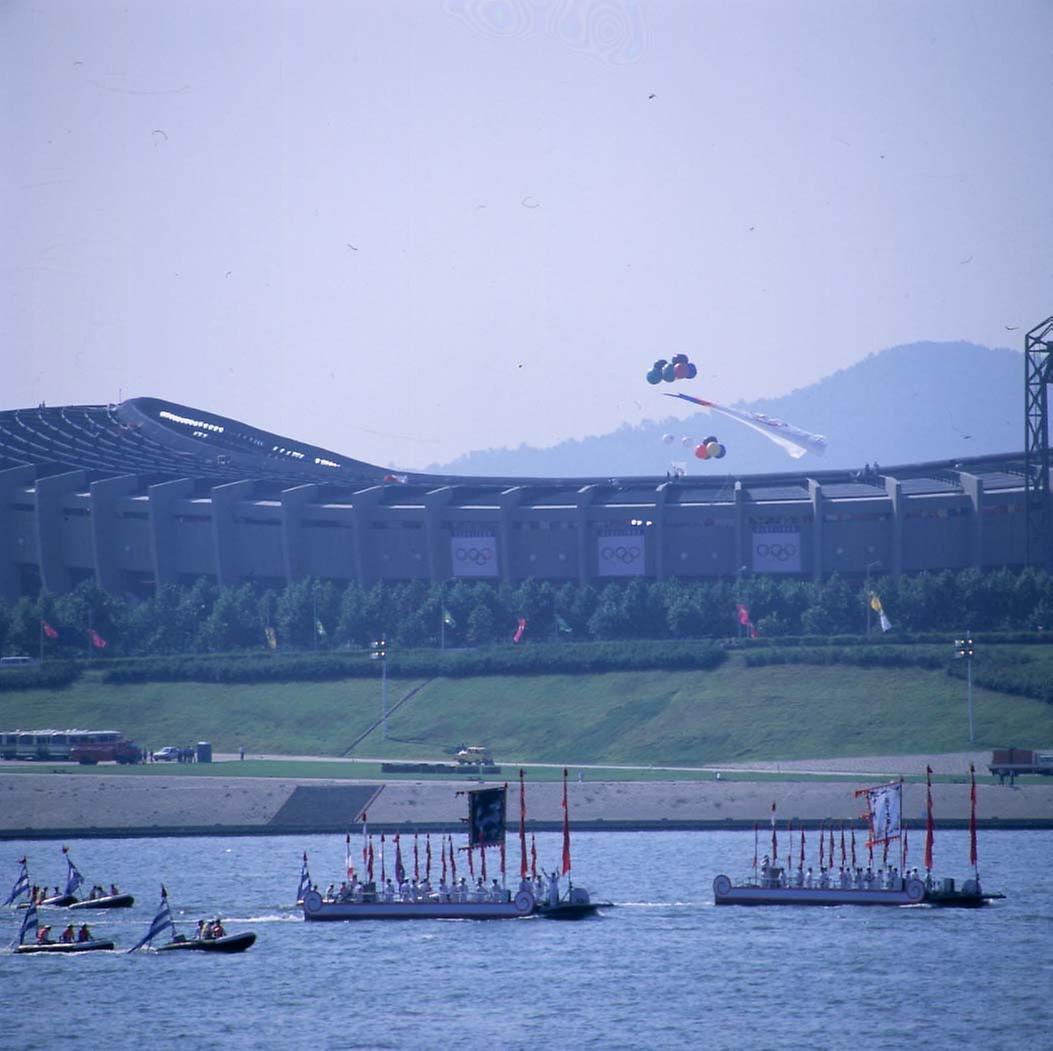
[{"x": 312, "y": 614}]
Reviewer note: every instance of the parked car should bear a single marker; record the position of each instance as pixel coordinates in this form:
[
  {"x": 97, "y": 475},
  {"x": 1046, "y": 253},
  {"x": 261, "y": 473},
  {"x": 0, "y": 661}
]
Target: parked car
[{"x": 168, "y": 754}]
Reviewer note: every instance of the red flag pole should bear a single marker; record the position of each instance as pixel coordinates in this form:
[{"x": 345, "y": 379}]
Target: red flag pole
[
  {"x": 566, "y": 827},
  {"x": 453, "y": 861},
  {"x": 801, "y": 862},
  {"x": 930, "y": 828},
  {"x": 774, "y": 838},
  {"x": 756, "y": 841},
  {"x": 533, "y": 855},
  {"x": 789, "y": 849},
  {"x": 443, "y": 853},
  {"x": 903, "y": 864},
  {"x": 844, "y": 856},
  {"x": 822, "y": 848},
  {"x": 522, "y": 825},
  {"x": 383, "y": 870},
  {"x": 831, "y": 846},
  {"x": 416, "y": 858},
  {"x": 853, "y": 848},
  {"x": 427, "y": 857},
  {"x": 972, "y": 820}
]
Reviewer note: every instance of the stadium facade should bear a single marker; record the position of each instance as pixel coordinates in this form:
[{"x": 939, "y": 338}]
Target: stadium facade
[{"x": 149, "y": 492}]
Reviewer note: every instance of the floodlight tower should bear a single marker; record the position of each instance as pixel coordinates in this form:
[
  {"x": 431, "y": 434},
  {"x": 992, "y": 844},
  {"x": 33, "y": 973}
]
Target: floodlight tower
[{"x": 1038, "y": 365}]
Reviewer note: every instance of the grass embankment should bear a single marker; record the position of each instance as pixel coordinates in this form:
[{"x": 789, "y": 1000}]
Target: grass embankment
[{"x": 730, "y": 714}]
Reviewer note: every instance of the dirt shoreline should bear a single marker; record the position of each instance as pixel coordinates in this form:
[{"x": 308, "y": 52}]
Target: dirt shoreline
[{"x": 52, "y": 805}]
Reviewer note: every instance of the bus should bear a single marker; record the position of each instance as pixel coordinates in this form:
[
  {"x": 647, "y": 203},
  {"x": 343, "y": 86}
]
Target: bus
[{"x": 82, "y": 746}]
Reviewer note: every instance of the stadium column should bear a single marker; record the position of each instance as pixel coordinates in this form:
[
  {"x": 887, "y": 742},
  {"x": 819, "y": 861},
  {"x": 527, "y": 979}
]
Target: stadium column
[
  {"x": 362, "y": 503},
  {"x": 51, "y": 495},
  {"x": 657, "y": 530},
  {"x": 225, "y": 500},
  {"x": 434, "y": 502},
  {"x": 161, "y": 499},
  {"x": 12, "y": 481},
  {"x": 106, "y": 537},
  {"x": 293, "y": 549},
  {"x": 509, "y": 499},
  {"x": 815, "y": 493},
  {"x": 974, "y": 489},
  {"x": 585, "y": 497},
  {"x": 894, "y": 489}
]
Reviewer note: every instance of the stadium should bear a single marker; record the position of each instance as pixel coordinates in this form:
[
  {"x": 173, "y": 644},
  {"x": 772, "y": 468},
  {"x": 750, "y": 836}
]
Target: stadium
[{"x": 149, "y": 492}]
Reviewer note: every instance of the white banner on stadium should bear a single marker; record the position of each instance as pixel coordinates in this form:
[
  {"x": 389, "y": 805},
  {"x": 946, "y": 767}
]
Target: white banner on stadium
[
  {"x": 474, "y": 556},
  {"x": 621, "y": 556},
  {"x": 777, "y": 551}
]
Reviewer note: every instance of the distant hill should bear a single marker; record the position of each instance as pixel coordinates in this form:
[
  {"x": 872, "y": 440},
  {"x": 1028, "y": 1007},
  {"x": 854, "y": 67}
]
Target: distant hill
[{"x": 919, "y": 401}]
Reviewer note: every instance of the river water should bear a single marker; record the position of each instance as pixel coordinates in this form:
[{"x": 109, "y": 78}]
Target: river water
[{"x": 665, "y": 969}]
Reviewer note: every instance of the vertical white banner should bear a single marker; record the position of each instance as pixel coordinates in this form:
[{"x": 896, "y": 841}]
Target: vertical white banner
[
  {"x": 621, "y": 556},
  {"x": 777, "y": 551},
  {"x": 474, "y": 556}
]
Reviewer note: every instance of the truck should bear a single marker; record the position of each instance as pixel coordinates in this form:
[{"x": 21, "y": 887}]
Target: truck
[
  {"x": 475, "y": 755},
  {"x": 1008, "y": 762}
]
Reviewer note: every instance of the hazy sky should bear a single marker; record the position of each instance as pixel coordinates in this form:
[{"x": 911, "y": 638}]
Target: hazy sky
[{"x": 408, "y": 229}]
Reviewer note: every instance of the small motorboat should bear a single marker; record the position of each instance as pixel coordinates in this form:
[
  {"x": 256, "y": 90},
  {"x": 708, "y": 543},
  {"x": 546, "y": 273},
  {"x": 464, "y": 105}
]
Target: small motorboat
[
  {"x": 162, "y": 921},
  {"x": 94, "y": 945},
  {"x": 228, "y": 943},
  {"x": 107, "y": 901},
  {"x": 968, "y": 896},
  {"x": 576, "y": 906}
]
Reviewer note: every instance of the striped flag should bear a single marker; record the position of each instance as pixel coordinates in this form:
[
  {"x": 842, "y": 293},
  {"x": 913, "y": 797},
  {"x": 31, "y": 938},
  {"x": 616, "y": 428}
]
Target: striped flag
[
  {"x": 21, "y": 884},
  {"x": 305, "y": 879},
  {"x": 29, "y": 923},
  {"x": 73, "y": 877},
  {"x": 161, "y": 922}
]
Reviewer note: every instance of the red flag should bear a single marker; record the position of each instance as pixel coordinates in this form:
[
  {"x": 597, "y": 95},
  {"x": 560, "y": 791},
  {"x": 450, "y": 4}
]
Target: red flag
[
  {"x": 831, "y": 846},
  {"x": 416, "y": 857},
  {"x": 774, "y": 838},
  {"x": 369, "y": 860},
  {"x": 427, "y": 857},
  {"x": 533, "y": 856},
  {"x": 853, "y": 847},
  {"x": 453, "y": 861},
  {"x": 48, "y": 630},
  {"x": 503, "y": 870},
  {"x": 822, "y": 848},
  {"x": 482, "y": 854},
  {"x": 520, "y": 628},
  {"x": 471, "y": 864},
  {"x": 930, "y": 828},
  {"x": 96, "y": 639},
  {"x": 400, "y": 869},
  {"x": 443, "y": 852},
  {"x": 756, "y": 839},
  {"x": 789, "y": 845},
  {"x": 522, "y": 826},
  {"x": 365, "y": 837},
  {"x": 843, "y": 856},
  {"x": 744, "y": 614},
  {"x": 347, "y": 855},
  {"x": 566, "y": 827},
  {"x": 802, "y": 847},
  {"x": 904, "y": 848},
  {"x": 383, "y": 870},
  {"x": 972, "y": 815}
]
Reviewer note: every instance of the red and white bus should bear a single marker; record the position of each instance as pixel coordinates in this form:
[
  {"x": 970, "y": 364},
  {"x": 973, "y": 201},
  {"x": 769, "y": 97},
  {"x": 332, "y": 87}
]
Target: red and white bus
[{"x": 82, "y": 746}]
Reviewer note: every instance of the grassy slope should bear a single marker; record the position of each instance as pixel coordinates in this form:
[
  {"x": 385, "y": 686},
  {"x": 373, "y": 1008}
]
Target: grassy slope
[{"x": 734, "y": 713}]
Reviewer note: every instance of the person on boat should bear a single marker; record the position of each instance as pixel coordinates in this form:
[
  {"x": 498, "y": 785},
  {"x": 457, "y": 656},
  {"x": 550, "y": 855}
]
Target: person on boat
[
  {"x": 553, "y": 888},
  {"x": 845, "y": 878},
  {"x": 114, "y": 890},
  {"x": 495, "y": 891},
  {"x": 868, "y": 879},
  {"x": 389, "y": 891},
  {"x": 67, "y": 936},
  {"x": 200, "y": 933},
  {"x": 809, "y": 879},
  {"x": 764, "y": 870},
  {"x": 425, "y": 889},
  {"x": 405, "y": 891},
  {"x": 329, "y": 891},
  {"x": 462, "y": 890},
  {"x": 84, "y": 934},
  {"x": 798, "y": 877},
  {"x": 217, "y": 929},
  {"x": 44, "y": 936},
  {"x": 824, "y": 879}
]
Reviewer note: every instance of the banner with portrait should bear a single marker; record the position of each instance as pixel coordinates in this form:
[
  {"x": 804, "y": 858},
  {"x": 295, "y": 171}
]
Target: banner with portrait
[
  {"x": 486, "y": 816},
  {"x": 473, "y": 556},
  {"x": 776, "y": 550},
  {"x": 620, "y": 555}
]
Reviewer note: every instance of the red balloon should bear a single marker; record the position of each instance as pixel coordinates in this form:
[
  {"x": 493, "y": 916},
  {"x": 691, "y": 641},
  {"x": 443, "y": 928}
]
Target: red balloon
[
  {"x": 680, "y": 370},
  {"x": 702, "y": 452}
]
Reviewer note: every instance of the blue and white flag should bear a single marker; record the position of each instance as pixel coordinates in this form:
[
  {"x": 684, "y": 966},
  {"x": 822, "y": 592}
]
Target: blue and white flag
[
  {"x": 29, "y": 924},
  {"x": 162, "y": 921},
  {"x": 305, "y": 879},
  {"x": 21, "y": 885},
  {"x": 73, "y": 877}
]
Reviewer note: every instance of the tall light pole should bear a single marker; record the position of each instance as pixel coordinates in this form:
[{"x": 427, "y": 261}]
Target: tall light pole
[
  {"x": 380, "y": 653},
  {"x": 963, "y": 649}
]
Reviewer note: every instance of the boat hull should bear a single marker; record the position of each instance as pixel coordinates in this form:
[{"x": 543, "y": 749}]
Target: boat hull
[
  {"x": 725, "y": 893},
  {"x": 65, "y": 948},
  {"x": 228, "y": 943},
  {"x": 316, "y": 909},
  {"x": 569, "y": 910},
  {"x": 110, "y": 901}
]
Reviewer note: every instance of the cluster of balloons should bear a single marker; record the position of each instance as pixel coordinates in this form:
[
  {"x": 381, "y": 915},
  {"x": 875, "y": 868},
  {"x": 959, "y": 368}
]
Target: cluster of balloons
[
  {"x": 710, "y": 449},
  {"x": 680, "y": 368}
]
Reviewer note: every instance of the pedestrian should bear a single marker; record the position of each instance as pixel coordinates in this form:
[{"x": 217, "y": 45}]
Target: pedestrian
[{"x": 241, "y": 752}]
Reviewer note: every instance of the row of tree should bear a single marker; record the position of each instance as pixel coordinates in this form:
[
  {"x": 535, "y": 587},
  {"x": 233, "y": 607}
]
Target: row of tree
[{"x": 318, "y": 614}]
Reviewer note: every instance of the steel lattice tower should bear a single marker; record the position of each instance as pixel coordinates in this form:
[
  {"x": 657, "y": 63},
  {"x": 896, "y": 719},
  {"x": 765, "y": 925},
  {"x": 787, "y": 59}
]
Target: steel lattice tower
[{"x": 1038, "y": 364}]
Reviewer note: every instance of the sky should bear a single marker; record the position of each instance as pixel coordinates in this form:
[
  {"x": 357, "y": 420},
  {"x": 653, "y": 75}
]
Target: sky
[{"x": 405, "y": 230}]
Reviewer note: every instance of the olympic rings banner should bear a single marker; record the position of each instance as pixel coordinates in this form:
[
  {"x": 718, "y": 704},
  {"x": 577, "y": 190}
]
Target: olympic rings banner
[
  {"x": 777, "y": 552},
  {"x": 474, "y": 556},
  {"x": 621, "y": 556}
]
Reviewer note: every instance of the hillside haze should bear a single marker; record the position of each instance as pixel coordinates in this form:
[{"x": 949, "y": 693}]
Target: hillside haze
[{"x": 919, "y": 401}]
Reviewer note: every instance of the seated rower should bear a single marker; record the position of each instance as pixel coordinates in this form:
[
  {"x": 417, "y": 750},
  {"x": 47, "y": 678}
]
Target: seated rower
[
  {"x": 66, "y": 937},
  {"x": 44, "y": 936},
  {"x": 217, "y": 929},
  {"x": 84, "y": 934},
  {"x": 114, "y": 890}
]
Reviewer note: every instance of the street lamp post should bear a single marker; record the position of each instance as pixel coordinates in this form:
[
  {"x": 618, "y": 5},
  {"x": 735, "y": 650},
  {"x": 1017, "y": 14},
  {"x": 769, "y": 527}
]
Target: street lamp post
[
  {"x": 380, "y": 653},
  {"x": 963, "y": 649}
]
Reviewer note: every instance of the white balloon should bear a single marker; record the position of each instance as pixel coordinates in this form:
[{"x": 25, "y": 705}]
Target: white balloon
[
  {"x": 687, "y": 441},
  {"x": 667, "y": 438}
]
